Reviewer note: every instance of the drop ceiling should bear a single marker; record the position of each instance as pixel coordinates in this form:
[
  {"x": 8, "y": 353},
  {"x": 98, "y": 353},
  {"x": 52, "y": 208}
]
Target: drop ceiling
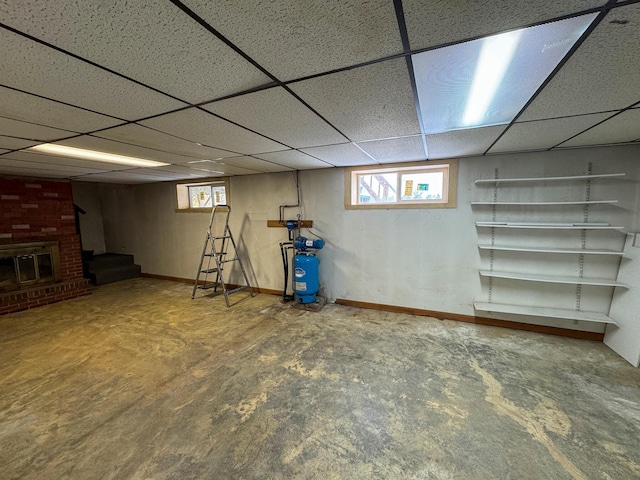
[{"x": 238, "y": 87}]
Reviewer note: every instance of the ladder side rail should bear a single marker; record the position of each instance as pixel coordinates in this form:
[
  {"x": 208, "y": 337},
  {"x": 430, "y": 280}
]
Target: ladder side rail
[
  {"x": 208, "y": 238},
  {"x": 226, "y": 232},
  {"x": 204, "y": 251},
  {"x": 217, "y": 257},
  {"x": 226, "y": 235}
]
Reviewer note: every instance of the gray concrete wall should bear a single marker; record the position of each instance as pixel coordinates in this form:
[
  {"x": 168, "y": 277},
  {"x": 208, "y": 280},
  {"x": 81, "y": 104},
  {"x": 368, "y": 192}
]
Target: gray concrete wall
[{"x": 421, "y": 258}]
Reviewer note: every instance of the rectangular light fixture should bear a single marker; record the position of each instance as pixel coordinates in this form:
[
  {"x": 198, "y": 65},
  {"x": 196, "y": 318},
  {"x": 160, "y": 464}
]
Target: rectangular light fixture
[
  {"x": 494, "y": 59},
  {"x": 488, "y": 81},
  {"x": 73, "y": 152}
]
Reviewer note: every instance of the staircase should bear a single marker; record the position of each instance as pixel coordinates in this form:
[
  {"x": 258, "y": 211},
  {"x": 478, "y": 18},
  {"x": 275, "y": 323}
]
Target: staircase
[{"x": 111, "y": 267}]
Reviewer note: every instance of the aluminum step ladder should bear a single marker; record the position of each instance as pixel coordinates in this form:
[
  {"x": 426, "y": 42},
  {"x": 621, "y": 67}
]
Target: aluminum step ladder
[{"x": 217, "y": 244}]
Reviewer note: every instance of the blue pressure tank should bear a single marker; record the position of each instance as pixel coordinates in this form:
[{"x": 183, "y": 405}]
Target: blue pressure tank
[{"x": 305, "y": 277}]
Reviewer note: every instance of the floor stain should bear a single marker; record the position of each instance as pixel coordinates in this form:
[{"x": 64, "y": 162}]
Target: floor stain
[
  {"x": 456, "y": 414},
  {"x": 296, "y": 365},
  {"x": 246, "y": 408},
  {"x": 527, "y": 420}
]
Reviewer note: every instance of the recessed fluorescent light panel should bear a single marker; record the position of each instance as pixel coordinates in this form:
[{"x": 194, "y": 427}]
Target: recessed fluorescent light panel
[
  {"x": 488, "y": 81},
  {"x": 72, "y": 152}
]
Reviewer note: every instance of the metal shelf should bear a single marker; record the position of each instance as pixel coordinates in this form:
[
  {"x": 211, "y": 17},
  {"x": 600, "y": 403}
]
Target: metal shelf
[
  {"x": 592, "y": 202},
  {"x": 548, "y": 179},
  {"x": 550, "y": 229},
  {"x": 600, "y": 282},
  {"x": 557, "y": 226},
  {"x": 579, "y": 251},
  {"x": 543, "y": 312}
]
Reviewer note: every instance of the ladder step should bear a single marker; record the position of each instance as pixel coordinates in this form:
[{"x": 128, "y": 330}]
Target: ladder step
[
  {"x": 209, "y": 270},
  {"x": 230, "y": 260},
  {"x": 208, "y": 286},
  {"x": 237, "y": 289},
  {"x": 220, "y": 254},
  {"x": 220, "y": 238}
]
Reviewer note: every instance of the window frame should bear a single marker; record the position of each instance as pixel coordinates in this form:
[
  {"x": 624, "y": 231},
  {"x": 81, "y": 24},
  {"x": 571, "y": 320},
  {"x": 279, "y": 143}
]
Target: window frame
[
  {"x": 450, "y": 186},
  {"x": 183, "y": 203}
]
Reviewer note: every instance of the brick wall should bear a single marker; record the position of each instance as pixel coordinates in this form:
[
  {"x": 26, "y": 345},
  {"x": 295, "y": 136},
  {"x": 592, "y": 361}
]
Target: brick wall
[{"x": 37, "y": 211}]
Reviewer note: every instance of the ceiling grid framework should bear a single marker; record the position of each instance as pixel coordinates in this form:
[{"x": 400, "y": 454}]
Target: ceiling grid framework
[{"x": 238, "y": 87}]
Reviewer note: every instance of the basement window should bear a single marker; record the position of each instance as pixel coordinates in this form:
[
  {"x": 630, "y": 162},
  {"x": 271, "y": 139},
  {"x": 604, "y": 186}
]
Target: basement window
[
  {"x": 202, "y": 196},
  {"x": 408, "y": 185}
]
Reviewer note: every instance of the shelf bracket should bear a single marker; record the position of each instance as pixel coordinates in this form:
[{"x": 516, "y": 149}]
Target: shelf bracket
[
  {"x": 494, "y": 210},
  {"x": 583, "y": 235}
]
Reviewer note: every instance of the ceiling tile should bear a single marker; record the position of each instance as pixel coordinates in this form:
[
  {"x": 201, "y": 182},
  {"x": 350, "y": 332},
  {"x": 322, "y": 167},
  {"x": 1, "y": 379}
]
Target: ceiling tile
[
  {"x": 602, "y": 75},
  {"x": 292, "y": 39},
  {"x": 183, "y": 170},
  {"x": 110, "y": 146},
  {"x": 15, "y": 128},
  {"x": 142, "y": 136},
  {"x": 164, "y": 47},
  {"x": 22, "y": 106},
  {"x": 122, "y": 177},
  {"x": 439, "y": 22},
  {"x": 621, "y": 128},
  {"x": 32, "y": 67},
  {"x": 343, "y": 155},
  {"x": 214, "y": 169},
  {"x": 11, "y": 161},
  {"x": 255, "y": 164},
  {"x": 30, "y": 171},
  {"x": 403, "y": 149},
  {"x": 278, "y": 115},
  {"x": 294, "y": 159},
  {"x": 198, "y": 126},
  {"x": 544, "y": 134},
  {"x": 366, "y": 103},
  {"x": 462, "y": 143},
  {"x": 162, "y": 174},
  {"x": 13, "y": 143},
  {"x": 56, "y": 161}
]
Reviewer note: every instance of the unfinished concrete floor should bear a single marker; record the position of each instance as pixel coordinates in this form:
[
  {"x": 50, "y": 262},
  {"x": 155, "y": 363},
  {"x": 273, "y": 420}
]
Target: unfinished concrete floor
[{"x": 139, "y": 381}]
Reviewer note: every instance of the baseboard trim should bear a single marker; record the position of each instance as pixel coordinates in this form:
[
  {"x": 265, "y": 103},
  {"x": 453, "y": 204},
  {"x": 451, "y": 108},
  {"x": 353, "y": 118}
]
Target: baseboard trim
[
  {"x": 267, "y": 291},
  {"x": 563, "y": 332},
  {"x": 166, "y": 277}
]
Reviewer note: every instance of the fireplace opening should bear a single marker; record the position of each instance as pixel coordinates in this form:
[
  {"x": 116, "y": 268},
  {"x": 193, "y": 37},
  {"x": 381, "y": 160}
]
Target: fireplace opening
[{"x": 28, "y": 264}]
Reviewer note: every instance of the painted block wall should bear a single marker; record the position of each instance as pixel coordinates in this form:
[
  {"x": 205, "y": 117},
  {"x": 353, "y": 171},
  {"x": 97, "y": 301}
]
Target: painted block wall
[{"x": 425, "y": 259}]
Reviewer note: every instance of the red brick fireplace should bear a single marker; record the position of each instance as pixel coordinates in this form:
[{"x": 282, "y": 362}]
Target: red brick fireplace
[{"x": 39, "y": 244}]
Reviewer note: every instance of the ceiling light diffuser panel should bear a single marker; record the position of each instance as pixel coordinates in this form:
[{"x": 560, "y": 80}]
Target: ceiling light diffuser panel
[{"x": 488, "y": 81}]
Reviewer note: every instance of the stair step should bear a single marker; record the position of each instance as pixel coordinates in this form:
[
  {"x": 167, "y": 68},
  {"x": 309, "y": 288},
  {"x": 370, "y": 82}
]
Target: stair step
[
  {"x": 108, "y": 260},
  {"x": 104, "y": 276}
]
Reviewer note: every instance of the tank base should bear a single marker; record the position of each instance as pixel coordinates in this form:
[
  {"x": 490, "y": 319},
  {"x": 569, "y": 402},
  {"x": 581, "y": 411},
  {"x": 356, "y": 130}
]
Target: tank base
[
  {"x": 305, "y": 298},
  {"x": 312, "y": 307}
]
